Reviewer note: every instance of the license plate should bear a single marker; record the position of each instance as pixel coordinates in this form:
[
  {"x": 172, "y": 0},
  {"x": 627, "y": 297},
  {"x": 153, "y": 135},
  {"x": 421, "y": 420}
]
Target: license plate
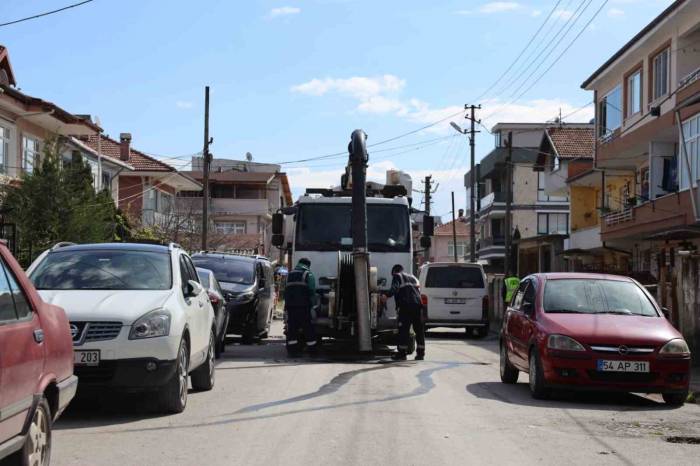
[
  {"x": 455, "y": 301},
  {"x": 86, "y": 358},
  {"x": 605, "y": 365}
]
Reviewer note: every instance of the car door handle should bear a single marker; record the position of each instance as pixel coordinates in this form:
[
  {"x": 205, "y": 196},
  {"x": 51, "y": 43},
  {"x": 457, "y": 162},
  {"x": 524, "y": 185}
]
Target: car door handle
[{"x": 38, "y": 335}]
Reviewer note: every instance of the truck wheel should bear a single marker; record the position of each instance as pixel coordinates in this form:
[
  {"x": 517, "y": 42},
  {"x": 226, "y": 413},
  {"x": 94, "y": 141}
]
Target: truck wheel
[
  {"x": 509, "y": 374},
  {"x": 173, "y": 396},
  {"x": 203, "y": 377},
  {"x": 37, "y": 446}
]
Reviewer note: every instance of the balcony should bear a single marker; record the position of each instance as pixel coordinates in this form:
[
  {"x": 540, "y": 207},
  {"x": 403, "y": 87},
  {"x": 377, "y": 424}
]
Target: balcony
[
  {"x": 584, "y": 238},
  {"x": 493, "y": 201},
  {"x": 225, "y": 206},
  {"x": 651, "y": 219}
]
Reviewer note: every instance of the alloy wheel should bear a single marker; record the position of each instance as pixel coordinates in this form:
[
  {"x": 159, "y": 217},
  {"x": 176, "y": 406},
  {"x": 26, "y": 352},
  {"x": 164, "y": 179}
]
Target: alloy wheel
[
  {"x": 38, "y": 438},
  {"x": 210, "y": 356},
  {"x": 182, "y": 376}
]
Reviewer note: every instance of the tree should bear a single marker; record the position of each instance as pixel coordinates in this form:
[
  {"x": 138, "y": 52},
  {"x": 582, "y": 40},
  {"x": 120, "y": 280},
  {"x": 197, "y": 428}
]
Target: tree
[{"x": 58, "y": 202}]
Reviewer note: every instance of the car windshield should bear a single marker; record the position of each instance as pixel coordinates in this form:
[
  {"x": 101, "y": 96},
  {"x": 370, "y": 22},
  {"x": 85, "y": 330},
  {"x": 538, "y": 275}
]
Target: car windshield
[
  {"x": 327, "y": 227},
  {"x": 104, "y": 270},
  {"x": 454, "y": 277},
  {"x": 596, "y": 296},
  {"x": 228, "y": 270}
]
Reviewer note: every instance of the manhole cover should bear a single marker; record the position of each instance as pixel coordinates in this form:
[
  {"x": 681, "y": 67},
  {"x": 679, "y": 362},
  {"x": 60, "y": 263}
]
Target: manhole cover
[{"x": 678, "y": 439}]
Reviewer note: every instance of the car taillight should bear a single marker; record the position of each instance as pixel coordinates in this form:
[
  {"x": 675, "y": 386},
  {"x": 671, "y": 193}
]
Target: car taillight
[
  {"x": 485, "y": 307},
  {"x": 424, "y": 300},
  {"x": 213, "y": 298}
]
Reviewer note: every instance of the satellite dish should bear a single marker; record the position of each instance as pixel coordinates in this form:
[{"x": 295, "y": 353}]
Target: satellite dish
[{"x": 249, "y": 156}]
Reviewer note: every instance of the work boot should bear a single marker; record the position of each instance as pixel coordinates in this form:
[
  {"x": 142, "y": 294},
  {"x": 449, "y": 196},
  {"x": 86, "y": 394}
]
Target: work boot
[
  {"x": 419, "y": 357},
  {"x": 399, "y": 356}
]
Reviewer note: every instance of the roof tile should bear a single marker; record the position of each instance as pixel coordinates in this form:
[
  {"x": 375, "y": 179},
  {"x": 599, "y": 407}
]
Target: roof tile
[
  {"x": 139, "y": 160},
  {"x": 573, "y": 143}
]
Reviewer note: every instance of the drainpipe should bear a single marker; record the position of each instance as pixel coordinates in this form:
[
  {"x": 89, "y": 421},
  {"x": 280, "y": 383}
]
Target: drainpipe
[
  {"x": 687, "y": 164},
  {"x": 358, "y": 161}
]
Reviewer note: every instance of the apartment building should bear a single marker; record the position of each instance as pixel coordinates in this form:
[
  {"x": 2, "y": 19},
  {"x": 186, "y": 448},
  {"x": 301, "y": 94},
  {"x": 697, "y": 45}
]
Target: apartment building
[
  {"x": 244, "y": 195},
  {"x": 534, "y": 212},
  {"x": 648, "y": 139}
]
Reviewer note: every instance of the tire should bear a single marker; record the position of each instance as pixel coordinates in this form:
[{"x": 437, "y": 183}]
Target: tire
[
  {"x": 204, "y": 376},
  {"x": 37, "y": 446},
  {"x": 173, "y": 397},
  {"x": 509, "y": 374},
  {"x": 538, "y": 389},
  {"x": 221, "y": 344},
  {"x": 675, "y": 399}
]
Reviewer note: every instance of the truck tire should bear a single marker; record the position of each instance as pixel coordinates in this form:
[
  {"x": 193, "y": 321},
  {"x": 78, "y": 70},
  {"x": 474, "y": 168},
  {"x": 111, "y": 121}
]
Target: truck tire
[
  {"x": 173, "y": 396},
  {"x": 203, "y": 377},
  {"x": 37, "y": 445}
]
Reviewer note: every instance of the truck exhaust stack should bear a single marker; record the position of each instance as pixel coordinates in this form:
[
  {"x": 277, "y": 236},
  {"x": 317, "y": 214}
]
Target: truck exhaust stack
[{"x": 358, "y": 161}]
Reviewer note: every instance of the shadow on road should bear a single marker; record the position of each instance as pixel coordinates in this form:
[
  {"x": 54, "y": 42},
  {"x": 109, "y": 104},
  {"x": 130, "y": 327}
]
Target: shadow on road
[{"x": 519, "y": 394}]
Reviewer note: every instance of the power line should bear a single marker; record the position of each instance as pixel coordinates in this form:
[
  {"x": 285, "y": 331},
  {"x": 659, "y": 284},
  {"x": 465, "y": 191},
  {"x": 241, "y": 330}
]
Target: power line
[{"x": 47, "y": 13}]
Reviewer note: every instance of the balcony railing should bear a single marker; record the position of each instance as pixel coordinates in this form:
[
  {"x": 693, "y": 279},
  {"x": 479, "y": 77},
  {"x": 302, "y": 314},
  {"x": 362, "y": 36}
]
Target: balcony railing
[
  {"x": 491, "y": 199},
  {"x": 492, "y": 241},
  {"x": 620, "y": 216},
  {"x": 689, "y": 78}
]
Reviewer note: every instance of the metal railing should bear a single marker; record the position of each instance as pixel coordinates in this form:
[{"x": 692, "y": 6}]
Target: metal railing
[
  {"x": 689, "y": 78},
  {"x": 620, "y": 216},
  {"x": 492, "y": 241}
]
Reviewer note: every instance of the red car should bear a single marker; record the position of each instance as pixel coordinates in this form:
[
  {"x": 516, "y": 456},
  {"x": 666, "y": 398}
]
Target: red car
[
  {"x": 591, "y": 331},
  {"x": 36, "y": 366}
]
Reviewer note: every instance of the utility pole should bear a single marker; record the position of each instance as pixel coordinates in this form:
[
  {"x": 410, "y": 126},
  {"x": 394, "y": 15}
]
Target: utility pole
[
  {"x": 454, "y": 228},
  {"x": 205, "y": 175},
  {"x": 428, "y": 194},
  {"x": 509, "y": 195},
  {"x": 472, "y": 194}
]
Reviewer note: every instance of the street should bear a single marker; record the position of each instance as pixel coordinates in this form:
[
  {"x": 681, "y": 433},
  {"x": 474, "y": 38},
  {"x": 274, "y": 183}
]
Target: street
[{"x": 450, "y": 409}]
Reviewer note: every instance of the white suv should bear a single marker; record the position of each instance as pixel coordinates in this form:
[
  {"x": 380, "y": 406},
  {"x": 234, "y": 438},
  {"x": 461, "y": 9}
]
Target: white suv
[
  {"x": 139, "y": 318},
  {"x": 455, "y": 295}
]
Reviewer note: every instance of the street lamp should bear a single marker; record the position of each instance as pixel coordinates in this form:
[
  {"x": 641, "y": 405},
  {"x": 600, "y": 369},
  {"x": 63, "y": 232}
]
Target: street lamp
[
  {"x": 472, "y": 198},
  {"x": 457, "y": 127}
]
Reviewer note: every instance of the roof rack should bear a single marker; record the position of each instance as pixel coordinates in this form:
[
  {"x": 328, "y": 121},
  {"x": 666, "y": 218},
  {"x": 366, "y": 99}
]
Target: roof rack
[{"x": 62, "y": 244}]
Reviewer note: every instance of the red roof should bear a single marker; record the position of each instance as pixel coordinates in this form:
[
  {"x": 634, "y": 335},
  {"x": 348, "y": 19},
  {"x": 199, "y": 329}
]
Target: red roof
[
  {"x": 138, "y": 160},
  {"x": 572, "y": 143},
  {"x": 445, "y": 229}
]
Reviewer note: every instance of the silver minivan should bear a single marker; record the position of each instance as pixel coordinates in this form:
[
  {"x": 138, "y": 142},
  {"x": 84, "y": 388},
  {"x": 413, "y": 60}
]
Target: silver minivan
[{"x": 455, "y": 295}]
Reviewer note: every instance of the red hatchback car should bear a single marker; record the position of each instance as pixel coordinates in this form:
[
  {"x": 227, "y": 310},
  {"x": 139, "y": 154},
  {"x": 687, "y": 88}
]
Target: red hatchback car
[
  {"x": 36, "y": 366},
  {"x": 591, "y": 331}
]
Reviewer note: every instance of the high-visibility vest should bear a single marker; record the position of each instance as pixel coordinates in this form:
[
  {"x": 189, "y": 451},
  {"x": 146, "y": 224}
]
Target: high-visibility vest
[{"x": 512, "y": 284}]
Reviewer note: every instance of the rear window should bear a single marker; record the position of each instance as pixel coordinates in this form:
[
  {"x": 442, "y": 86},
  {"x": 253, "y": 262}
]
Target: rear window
[
  {"x": 454, "y": 277},
  {"x": 228, "y": 270}
]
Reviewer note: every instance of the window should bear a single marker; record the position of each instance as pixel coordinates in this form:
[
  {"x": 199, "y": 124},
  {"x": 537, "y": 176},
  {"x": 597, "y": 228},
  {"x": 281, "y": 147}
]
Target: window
[
  {"x": 542, "y": 194},
  {"x": 554, "y": 223},
  {"x": 4, "y": 148},
  {"x": 660, "y": 74},
  {"x": 21, "y": 305},
  {"x": 555, "y": 163},
  {"x": 239, "y": 271},
  {"x": 498, "y": 138},
  {"x": 7, "y": 305},
  {"x": 247, "y": 192},
  {"x": 610, "y": 112},
  {"x": 585, "y": 296},
  {"x": 221, "y": 191},
  {"x": 230, "y": 228},
  {"x": 30, "y": 153},
  {"x": 192, "y": 194},
  {"x": 691, "y": 132},
  {"x": 454, "y": 277},
  {"x": 106, "y": 180},
  {"x": 634, "y": 93},
  {"x": 461, "y": 248}
]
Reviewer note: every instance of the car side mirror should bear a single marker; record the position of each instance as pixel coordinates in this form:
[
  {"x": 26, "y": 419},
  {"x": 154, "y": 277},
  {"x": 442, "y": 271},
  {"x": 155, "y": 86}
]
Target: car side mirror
[
  {"x": 193, "y": 289},
  {"x": 666, "y": 312}
]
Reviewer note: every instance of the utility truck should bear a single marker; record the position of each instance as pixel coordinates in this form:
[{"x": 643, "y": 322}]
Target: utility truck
[{"x": 353, "y": 235}]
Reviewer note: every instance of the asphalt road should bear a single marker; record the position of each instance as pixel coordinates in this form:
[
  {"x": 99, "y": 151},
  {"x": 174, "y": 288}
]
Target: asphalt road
[{"x": 449, "y": 409}]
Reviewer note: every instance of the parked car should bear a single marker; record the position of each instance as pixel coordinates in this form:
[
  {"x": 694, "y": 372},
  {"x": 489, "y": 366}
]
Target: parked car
[
  {"x": 139, "y": 317},
  {"x": 455, "y": 295},
  {"x": 216, "y": 297},
  {"x": 249, "y": 291},
  {"x": 592, "y": 331},
  {"x": 36, "y": 366}
]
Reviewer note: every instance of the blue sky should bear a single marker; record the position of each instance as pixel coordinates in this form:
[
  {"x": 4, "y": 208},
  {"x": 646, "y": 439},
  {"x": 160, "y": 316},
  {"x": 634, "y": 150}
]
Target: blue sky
[{"x": 292, "y": 79}]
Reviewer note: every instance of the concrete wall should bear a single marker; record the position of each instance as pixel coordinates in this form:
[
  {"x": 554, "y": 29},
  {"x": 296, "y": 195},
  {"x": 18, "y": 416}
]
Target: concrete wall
[
  {"x": 582, "y": 208},
  {"x": 526, "y": 222},
  {"x": 524, "y": 185}
]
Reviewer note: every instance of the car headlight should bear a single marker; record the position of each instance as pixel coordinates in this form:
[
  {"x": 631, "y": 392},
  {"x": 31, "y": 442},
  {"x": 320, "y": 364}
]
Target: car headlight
[
  {"x": 676, "y": 347},
  {"x": 564, "y": 343},
  {"x": 245, "y": 297},
  {"x": 153, "y": 324}
]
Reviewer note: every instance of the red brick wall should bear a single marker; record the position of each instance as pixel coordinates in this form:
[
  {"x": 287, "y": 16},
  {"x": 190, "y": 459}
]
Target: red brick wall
[{"x": 579, "y": 166}]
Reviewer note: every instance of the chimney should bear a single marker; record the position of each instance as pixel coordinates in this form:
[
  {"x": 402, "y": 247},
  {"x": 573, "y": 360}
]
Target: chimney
[
  {"x": 124, "y": 146},
  {"x": 461, "y": 213}
]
